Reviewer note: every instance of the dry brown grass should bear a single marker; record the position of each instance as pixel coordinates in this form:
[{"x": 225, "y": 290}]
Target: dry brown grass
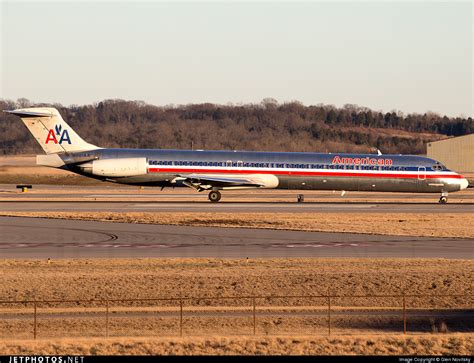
[
  {"x": 450, "y": 344},
  {"x": 178, "y": 277},
  {"x": 62, "y": 325},
  {"x": 151, "y": 278},
  {"x": 457, "y": 225}
]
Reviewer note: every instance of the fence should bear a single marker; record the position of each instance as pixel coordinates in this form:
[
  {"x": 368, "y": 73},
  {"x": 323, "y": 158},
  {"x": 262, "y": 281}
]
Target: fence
[{"x": 307, "y": 314}]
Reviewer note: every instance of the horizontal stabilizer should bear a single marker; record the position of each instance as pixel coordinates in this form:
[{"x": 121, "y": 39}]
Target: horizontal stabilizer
[{"x": 28, "y": 113}]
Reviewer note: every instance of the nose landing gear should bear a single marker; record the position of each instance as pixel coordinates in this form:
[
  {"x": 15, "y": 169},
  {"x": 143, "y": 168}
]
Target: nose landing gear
[
  {"x": 214, "y": 196},
  {"x": 444, "y": 198}
]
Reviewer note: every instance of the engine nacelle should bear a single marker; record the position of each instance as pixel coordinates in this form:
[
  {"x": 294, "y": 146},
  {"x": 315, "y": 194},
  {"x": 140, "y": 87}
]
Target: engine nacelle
[{"x": 119, "y": 167}]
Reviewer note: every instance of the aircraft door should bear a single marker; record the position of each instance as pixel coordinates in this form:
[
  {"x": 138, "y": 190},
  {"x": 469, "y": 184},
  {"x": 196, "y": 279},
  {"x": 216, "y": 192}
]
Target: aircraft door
[
  {"x": 421, "y": 173},
  {"x": 421, "y": 182}
]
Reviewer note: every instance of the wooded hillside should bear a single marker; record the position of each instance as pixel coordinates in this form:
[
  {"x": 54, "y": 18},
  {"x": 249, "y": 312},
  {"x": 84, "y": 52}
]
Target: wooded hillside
[{"x": 266, "y": 126}]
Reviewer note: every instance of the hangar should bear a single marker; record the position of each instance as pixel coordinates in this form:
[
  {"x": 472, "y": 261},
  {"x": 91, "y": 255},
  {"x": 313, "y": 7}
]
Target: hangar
[{"x": 456, "y": 153}]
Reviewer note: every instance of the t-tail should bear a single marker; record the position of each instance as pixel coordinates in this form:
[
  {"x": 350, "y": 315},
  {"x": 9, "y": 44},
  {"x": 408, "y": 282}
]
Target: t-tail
[
  {"x": 53, "y": 134},
  {"x": 51, "y": 131}
]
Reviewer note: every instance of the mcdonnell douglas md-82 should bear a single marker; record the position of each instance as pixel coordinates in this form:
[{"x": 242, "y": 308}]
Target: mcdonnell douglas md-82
[{"x": 213, "y": 171}]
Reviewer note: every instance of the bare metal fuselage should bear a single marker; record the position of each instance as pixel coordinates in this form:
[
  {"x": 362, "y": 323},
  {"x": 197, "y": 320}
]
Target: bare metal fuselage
[{"x": 302, "y": 171}]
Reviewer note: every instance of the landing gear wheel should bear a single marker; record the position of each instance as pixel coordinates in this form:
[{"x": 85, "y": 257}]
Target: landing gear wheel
[
  {"x": 443, "y": 200},
  {"x": 214, "y": 196}
]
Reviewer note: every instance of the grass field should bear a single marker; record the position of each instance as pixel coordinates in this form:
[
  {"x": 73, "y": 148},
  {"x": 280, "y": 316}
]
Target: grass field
[
  {"x": 177, "y": 277},
  {"x": 80, "y": 279},
  {"x": 450, "y": 344}
]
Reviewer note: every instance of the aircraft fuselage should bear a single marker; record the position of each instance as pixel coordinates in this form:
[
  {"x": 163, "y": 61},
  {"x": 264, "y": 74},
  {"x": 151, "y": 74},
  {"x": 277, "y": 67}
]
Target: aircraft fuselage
[{"x": 320, "y": 171}]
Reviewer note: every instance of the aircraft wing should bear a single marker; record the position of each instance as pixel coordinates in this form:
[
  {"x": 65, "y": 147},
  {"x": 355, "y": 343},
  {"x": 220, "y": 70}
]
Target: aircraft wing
[{"x": 203, "y": 181}]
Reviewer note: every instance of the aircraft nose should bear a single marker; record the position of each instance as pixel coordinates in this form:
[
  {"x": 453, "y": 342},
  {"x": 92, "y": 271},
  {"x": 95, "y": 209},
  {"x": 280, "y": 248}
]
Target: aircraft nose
[{"x": 463, "y": 184}]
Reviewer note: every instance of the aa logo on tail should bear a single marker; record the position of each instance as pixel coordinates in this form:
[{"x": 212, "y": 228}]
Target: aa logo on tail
[{"x": 58, "y": 133}]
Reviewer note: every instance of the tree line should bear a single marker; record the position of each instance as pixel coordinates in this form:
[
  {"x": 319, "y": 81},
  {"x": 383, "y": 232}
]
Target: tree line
[{"x": 267, "y": 126}]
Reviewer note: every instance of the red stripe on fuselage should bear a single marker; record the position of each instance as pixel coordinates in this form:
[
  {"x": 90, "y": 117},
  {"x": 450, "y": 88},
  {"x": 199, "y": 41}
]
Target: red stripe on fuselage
[{"x": 307, "y": 173}]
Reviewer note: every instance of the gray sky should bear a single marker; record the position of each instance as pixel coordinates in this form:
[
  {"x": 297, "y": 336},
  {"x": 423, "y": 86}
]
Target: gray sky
[{"x": 408, "y": 56}]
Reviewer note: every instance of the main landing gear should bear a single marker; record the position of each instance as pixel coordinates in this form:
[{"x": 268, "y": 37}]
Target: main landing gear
[
  {"x": 444, "y": 198},
  {"x": 214, "y": 196}
]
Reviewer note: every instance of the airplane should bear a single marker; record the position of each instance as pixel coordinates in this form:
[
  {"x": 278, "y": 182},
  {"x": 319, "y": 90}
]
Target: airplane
[{"x": 213, "y": 171}]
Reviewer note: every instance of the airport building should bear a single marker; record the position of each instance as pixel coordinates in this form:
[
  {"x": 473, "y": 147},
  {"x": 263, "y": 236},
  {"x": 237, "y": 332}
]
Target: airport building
[{"x": 456, "y": 153}]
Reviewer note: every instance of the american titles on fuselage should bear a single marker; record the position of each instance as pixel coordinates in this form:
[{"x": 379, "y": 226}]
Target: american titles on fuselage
[{"x": 361, "y": 161}]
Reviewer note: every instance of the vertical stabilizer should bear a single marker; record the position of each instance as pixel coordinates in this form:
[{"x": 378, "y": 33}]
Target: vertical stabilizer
[{"x": 51, "y": 131}]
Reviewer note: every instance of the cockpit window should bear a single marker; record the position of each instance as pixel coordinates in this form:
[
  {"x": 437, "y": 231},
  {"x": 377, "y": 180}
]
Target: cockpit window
[{"x": 438, "y": 167}]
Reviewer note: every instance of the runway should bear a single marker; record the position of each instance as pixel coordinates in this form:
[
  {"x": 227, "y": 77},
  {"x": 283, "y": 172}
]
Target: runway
[
  {"x": 242, "y": 207},
  {"x": 120, "y": 198},
  {"x": 43, "y": 238}
]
